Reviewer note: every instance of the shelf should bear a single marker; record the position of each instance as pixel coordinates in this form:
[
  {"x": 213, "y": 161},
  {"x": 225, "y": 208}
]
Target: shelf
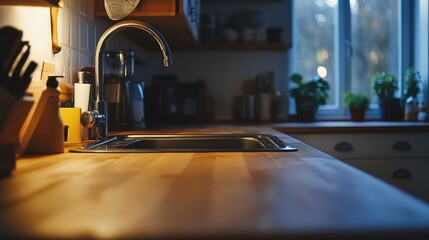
[
  {"x": 243, "y": 46},
  {"x": 35, "y": 3}
]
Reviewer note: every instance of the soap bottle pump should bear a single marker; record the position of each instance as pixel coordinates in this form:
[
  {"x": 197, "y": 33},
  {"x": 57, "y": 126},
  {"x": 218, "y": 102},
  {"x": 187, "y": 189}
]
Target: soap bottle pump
[{"x": 48, "y": 136}]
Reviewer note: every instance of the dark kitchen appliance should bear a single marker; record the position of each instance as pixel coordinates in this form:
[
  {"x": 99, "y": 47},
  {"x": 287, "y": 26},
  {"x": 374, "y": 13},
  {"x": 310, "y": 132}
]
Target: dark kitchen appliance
[
  {"x": 161, "y": 103},
  {"x": 169, "y": 101},
  {"x": 123, "y": 94}
]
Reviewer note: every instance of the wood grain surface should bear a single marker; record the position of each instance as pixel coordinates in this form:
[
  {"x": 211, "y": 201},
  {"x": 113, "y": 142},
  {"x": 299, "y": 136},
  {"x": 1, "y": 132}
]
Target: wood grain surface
[{"x": 300, "y": 194}]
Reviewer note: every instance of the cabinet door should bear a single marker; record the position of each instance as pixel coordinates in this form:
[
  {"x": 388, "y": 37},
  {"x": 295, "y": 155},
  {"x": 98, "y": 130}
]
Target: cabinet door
[
  {"x": 410, "y": 175},
  {"x": 370, "y": 146},
  {"x": 177, "y": 20},
  {"x": 401, "y": 159}
]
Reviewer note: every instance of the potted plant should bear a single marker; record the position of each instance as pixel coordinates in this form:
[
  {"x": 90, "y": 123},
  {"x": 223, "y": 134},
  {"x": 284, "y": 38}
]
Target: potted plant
[
  {"x": 385, "y": 86},
  {"x": 412, "y": 82},
  {"x": 308, "y": 96},
  {"x": 357, "y": 103},
  {"x": 412, "y": 89}
]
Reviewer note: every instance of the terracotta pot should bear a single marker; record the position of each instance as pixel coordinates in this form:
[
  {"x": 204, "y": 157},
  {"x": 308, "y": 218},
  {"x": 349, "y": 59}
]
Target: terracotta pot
[{"x": 358, "y": 114}]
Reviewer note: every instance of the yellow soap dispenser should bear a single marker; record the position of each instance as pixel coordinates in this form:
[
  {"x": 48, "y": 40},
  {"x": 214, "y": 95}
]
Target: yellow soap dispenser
[{"x": 48, "y": 135}]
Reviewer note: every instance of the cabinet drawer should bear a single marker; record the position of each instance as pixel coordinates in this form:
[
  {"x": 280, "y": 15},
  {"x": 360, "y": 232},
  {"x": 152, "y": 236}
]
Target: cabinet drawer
[
  {"x": 368, "y": 146},
  {"x": 410, "y": 175}
]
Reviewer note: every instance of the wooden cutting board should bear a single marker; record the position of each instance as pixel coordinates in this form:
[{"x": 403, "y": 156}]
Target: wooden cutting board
[{"x": 35, "y": 89}]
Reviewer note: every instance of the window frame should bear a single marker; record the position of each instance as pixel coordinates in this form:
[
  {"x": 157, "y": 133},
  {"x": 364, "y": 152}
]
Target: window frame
[{"x": 344, "y": 52}]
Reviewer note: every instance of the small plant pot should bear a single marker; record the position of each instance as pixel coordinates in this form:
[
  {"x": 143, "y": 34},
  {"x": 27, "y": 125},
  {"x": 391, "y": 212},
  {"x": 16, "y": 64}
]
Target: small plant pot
[
  {"x": 391, "y": 109},
  {"x": 306, "y": 110},
  {"x": 357, "y": 114}
]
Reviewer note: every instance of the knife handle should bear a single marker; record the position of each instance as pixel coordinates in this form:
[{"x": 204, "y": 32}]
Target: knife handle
[
  {"x": 11, "y": 46},
  {"x": 20, "y": 64}
]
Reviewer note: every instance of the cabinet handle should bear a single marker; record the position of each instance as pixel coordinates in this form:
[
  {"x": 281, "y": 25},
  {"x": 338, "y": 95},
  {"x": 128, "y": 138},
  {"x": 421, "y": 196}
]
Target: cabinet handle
[
  {"x": 402, "y": 146},
  {"x": 401, "y": 173},
  {"x": 343, "y": 147}
]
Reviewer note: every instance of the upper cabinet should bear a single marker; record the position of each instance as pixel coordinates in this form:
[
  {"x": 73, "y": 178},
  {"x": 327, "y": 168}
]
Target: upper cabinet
[
  {"x": 246, "y": 25},
  {"x": 177, "y": 20},
  {"x": 45, "y": 3},
  {"x": 241, "y": 25}
]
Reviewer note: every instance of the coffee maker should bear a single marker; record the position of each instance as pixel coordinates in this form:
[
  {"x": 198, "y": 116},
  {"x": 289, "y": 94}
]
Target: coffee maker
[{"x": 123, "y": 94}]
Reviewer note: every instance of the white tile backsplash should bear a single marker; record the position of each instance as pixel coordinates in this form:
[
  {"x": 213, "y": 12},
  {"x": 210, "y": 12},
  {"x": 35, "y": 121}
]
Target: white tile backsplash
[
  {"x": 91, "y": 38},
  {"x": 74, "y": 29},
  {"x": 64, "y": 63},
  {"x": 74, "y": 4},
  {"x": 82, "y": 7},
  {"x": 78, "y": 33},
  {"x": 64, "y": 26},
  {"x": 90, "y": 8},
  {"x": 83, "y": 26}
]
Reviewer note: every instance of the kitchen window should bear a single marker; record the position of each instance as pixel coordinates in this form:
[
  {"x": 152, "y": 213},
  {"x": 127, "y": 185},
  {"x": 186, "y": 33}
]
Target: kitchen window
[{"x": 346, "y": 42}]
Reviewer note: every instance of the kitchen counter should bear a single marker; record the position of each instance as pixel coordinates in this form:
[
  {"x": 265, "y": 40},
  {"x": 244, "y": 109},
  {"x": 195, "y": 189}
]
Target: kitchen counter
[
  {"x": 351, "y": 127},
  {"x": 300, "y": 194}
]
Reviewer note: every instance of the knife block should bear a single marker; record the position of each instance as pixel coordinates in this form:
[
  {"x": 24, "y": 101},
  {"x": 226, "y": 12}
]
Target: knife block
[
  {"x": 44, "y": 133},
  {"x": 13, "y": 112}
]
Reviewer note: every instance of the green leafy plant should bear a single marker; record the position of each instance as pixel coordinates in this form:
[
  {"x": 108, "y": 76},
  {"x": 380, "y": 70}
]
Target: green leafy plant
[
  {"x": 316, "y": 89},
  {"x": 355, "y": 100},
  {"x": 384, "y": 85},
  {"x": 412, "y": 81}
]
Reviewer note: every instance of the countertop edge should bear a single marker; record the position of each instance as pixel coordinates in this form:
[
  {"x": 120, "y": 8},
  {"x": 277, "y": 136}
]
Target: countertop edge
[{"x": 351, "y": 127}]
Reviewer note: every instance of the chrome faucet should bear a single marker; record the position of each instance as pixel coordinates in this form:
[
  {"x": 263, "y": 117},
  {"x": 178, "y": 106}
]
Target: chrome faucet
[{"x": 98, "y": 117}]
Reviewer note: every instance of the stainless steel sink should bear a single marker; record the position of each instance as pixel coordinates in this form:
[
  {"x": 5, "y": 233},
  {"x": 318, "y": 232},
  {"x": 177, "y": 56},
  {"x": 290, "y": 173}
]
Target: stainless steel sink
[{"x": 188, "y": 143}]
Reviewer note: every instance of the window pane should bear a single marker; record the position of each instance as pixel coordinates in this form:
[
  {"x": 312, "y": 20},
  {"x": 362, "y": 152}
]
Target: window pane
[
  {"x": 314, "y": 43},
  {"x": 374, "y": 41}
]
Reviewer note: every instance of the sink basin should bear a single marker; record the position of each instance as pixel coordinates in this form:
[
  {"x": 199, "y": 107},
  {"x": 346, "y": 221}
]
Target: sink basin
[{"x": 188, "y": 143}]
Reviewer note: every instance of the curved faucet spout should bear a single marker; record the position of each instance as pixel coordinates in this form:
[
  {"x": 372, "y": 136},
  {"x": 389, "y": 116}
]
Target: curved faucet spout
[
  {"x": 99, "y": 76},
  {"x": 98, "y": 117}
]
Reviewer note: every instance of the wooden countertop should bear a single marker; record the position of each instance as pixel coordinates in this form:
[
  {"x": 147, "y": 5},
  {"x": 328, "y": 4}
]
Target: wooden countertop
[
  {"x": 303, "y": 194},
  {"x": 351, "y": 127}
]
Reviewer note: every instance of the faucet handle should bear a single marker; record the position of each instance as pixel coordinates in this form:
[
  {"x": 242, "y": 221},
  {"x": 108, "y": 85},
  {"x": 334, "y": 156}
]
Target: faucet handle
[{"x": 91, "y": 119}]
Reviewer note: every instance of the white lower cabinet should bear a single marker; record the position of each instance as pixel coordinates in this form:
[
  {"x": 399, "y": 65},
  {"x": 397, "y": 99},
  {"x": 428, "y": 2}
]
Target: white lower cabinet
[
  {"x": 410, "y": 175},
  {"x": 401, "y": 159}
]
